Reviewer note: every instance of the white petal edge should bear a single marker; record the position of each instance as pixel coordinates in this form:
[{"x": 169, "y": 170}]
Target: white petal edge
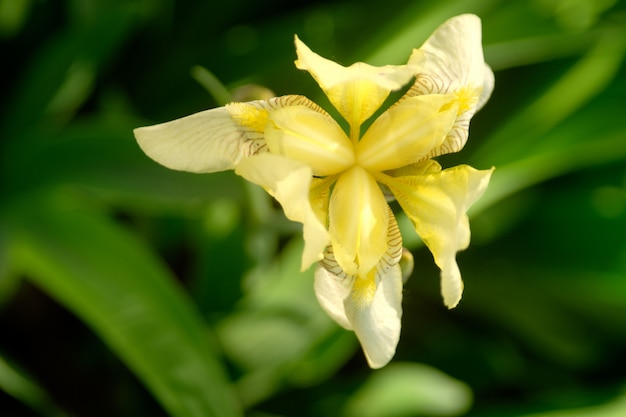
[
  {"x": 377, "y": 325},
  {"x": 212, "y": 140},
  {"x": 288, "y": 182},
  {"x": 208, "y": 141},
  {"x": 331, "y": 291},
  {"x": 454, "y": 53},
  {"x": 452, "y": 61}
]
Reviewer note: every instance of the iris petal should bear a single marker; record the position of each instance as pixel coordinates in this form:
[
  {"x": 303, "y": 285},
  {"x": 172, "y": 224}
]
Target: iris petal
[
  {"x": 407, "y": 132},
  {"x": 311, "y": 137},
  {"x": 377, "y": 324},
  {"x": 376, "y": 321},
  {"x": 358, "y": 221},
  {"x": 437, "y": 204},
  {"x": 451, "y": 61},
  {"x": 288, "y": 181},
  {"x": 356, "y": 91},
  {"x": 331, "y": 291},
  {"x": 212, "y": 140}
]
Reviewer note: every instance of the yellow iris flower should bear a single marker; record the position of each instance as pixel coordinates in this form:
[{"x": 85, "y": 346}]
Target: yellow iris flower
[{"x": 330, "y": 180}]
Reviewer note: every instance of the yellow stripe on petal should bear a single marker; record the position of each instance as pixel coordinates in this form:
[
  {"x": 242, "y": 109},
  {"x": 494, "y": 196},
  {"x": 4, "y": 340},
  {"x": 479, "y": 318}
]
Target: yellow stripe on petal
[
  {"x": 364, "y": 288},
  {"x": 311, "y": 137},
  {"x": 249, "y": 115},
  {"x": 358, "y": 221}
]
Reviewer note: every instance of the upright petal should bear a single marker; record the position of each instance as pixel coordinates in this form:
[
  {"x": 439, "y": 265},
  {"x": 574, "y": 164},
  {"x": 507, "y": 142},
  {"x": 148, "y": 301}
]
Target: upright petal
[
  {"x": 407, "y": 132},
  {"x": 213, "y": 140},
  {"x": 454, "y": 54},
  {"x": 358, "y": 221},
  {"x": 437, "y": 204},
  {"x": 288, "y": 181},
  {"x": 356, "y": 91},
  {"x": 309, "y": 136},
  {"x": 451, "y": 61}
]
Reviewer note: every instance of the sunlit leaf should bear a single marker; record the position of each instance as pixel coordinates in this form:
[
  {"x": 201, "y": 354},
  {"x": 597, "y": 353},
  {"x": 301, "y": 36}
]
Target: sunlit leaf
[
  {"x": 615, "y": 408},
  {"x": 409, "y": 389}
]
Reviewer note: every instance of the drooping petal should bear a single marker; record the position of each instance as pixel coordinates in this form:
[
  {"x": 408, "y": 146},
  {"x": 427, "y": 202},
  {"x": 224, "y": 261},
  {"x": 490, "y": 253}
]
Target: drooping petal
[
  {"x": 331, "y": 292},
  {"x": 288, "y": 182},
  {"x": 407, "y": 132},
  {"x": 376, "y": 319},
  {"x": 356, "y": 91},
  {"x": 377, "y": 325},
  {"x": 451, "y": 61},
  {"x": 358, "y": 221},
  {"x": 309, "y": 136},
  {"x": 213, "y": 140},
  {"x": 437, "y": 204}
]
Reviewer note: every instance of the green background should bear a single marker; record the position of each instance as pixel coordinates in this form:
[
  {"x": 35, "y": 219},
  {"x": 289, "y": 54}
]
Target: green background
[{"x": 127, "y": 289}]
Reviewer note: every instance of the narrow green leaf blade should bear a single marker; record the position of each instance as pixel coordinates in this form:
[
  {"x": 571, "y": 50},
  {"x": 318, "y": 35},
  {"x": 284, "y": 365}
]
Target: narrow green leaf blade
[
  {"x": 112, "y": 282},
  {"x": 21, "y": 386}
]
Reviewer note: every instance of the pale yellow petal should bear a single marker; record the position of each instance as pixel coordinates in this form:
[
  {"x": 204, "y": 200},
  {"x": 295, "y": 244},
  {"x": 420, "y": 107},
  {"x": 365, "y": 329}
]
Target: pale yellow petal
[
  {"x": 370, "y": 305},
  {"x": 320, "y": 196},
  {"x": 407, "y": 132},
  {"x": 428, "y": 166},
  {"x": 358, "y": 221},
  {"x": 437, "y": 204},
  {"x": 212, "y": 140},
  {"x": 391, "y": 257},
  {"x": 394, "y": 250},
  {"x": 377, "y": 325},
  {"x": 451, "y": 61},
  {"x": 288, "y": 182},
  {"x": 308, "y": 136},
  {"x": 356, "y": 91},
  {"x": 454, "y": 54},
  {"x": 331, "y": 292}
]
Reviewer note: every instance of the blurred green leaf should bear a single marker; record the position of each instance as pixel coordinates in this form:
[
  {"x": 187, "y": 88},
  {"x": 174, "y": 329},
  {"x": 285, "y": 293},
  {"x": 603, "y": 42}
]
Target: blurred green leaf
[
  {"x": 394, "y": 42},
  {"x": 21, "y": 386},
  {"x": 615, "y": 408},
  {"x": 9, "y": 280},
  {"x": 409, "y": 389},
  {"x": 13, "y": 14},
  {"x": 103, "y": 157},
  {"x": 109, "y": 280},
  {"x": 279, "y": 334},
  {"x": 588, "y": 77}
]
